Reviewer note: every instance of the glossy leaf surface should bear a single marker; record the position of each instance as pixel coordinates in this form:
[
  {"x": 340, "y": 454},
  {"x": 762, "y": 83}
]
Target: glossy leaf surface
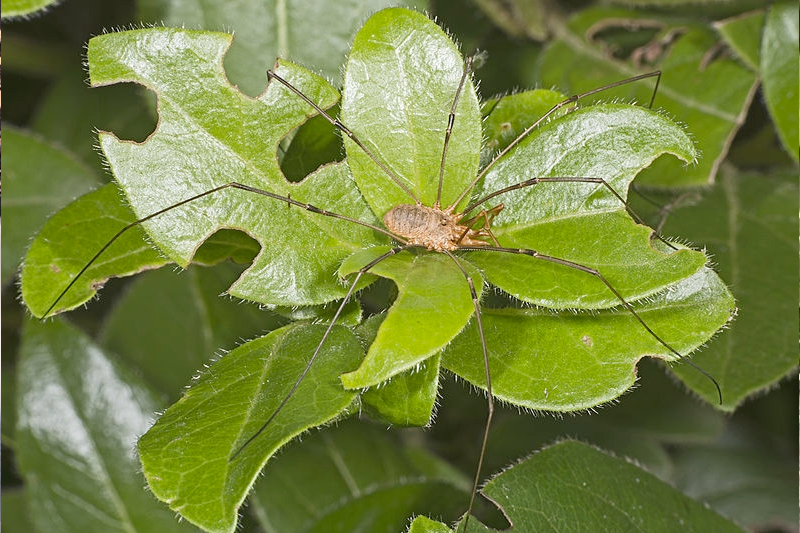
[
  {"x": 210, "y": 134},
  {"x": 267, "y": 29},
  {"x": 403, "y": 118},
  {"x": 79, "y": 415},
  {"x": 583, "y": 222},
  {"x": 187, "y": 455},
  {"x": 70, "y": 238}
]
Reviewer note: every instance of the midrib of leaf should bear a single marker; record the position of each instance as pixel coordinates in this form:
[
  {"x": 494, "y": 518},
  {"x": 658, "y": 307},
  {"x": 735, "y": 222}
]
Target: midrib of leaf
[
  {"x": 111, "y": 490},
  {"x": 261, "y": 381},
  {"x": 282, "y": 25},
  {"x": 279, "y": 187},
  {"x": 415, "y": 134},
  {"x": 87, "y": 506},
  {"x": 341, "y": 466}
]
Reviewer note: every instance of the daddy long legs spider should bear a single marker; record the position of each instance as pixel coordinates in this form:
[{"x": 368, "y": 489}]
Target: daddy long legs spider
[{"x": 444, "y": 220}]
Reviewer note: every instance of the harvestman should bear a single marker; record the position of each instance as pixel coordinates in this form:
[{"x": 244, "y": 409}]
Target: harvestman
[{"x": 436, "y": 229}]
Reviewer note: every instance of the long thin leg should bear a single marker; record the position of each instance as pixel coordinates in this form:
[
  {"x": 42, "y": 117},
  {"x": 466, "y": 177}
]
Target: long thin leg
[
  {"x": 451, "y": 118},
  {"x": 231, "y": 185},
  {"x": 569, "y": 179},
  {"x": 571, "y": 100},
  {"x": 598, "y": 275},
  {"x": 336, "y": 123},
  {"x": 489, "y": 395},
  {"x": 291, "y": 392}
]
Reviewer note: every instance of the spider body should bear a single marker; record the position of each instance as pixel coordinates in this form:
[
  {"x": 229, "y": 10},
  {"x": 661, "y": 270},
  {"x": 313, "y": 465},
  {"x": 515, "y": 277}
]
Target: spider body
[{"x": 438, "y": 229}]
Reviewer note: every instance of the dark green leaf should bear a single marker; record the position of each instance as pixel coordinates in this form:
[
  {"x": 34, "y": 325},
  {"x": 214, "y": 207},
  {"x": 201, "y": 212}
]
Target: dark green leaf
[
  {"x": 707, "y": 91},
  {"x": 751, "y": 482},
  {"x": 40, "y": 178},
  {"x": 71, "y": 113},
  {"x": 15, "y": 513},
  {"x": 643, "y": 425},
  {"x": 79, "y": 417},
  {"x": 780, "y": 71},
  {"x": 186, "y": 320},
  {"x": 519, "y": 18},
  {"x": 187, "y": 454},
  {"x": 314, "y": 144},
  {"x": 605, "y": 494},
  {"x": 359, "y": 479},
  {"x": 755, "y": 249},
  {"x": 743, "y": 34}
]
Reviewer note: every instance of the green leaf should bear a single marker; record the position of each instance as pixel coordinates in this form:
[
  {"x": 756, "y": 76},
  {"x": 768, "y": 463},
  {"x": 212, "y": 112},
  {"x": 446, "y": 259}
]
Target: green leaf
[
  {"x": 711, "y": 93},
  {"x": 780, "y": 71},
  {"x": 186, "y": 320},
  {"x": 79, "y": 416},
  {"x": 434, "y": 303},
  {"x": 643, "y": 425},
  {"x": 520, "y": 19},
  {"x": 21, "y": 8},
  {"x": 402, "y": 119},
  {"x": 359, "y": 478},
  {"x": 210, "y": 134},
  {"x": 742, "y": 34},
  {"x": 606, "y": 494},
  {"x": 751, "y": 482},
  {"x": 187, "y": 455},
  {"x": 15, "y": 513},
  {"x": 755, "y": 248},
  {"x": 40, "y": 178},
  {"x": 423, "y": 524},
  {"x": 70, "y": 238},
  {"x": 583, "y": 222},
  {"x": 408, "y": 398},
  {"x": 507, "y": 117},
  {"x": 75, "y": 234},
  {"x": 270, "y": 29},
  {"x": 568, "y": 362}
]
